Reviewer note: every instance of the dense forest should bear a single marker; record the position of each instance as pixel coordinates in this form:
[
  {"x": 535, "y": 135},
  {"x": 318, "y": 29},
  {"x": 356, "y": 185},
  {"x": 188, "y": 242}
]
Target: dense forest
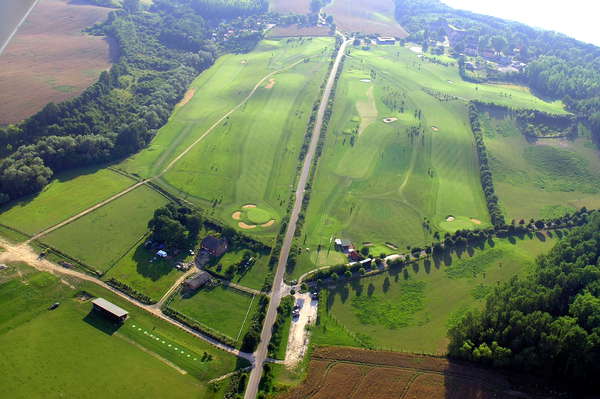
[
  {"x": 162, "y": 49},
  {"x": 557, "y": 66},
  {"x": 547, "y": 324}
]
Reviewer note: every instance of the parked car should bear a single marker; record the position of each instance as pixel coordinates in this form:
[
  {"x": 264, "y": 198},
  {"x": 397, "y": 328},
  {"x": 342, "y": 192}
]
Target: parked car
[{"x": 54, "y": 306}]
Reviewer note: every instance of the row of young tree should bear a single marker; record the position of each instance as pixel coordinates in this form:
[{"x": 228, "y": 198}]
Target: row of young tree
[
  {"x": 558, "y": 66},
  {"x": 161, "y": 51},
  {"x": 547, "y": 324}
]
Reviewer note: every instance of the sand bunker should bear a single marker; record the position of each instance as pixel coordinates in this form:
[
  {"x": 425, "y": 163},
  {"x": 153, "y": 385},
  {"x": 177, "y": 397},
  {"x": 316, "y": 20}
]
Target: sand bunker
[
  {"x": 187, "y": 97},
  {"x": 243, "y": 62},
  {"x": 450, "y": 219},
  {"x": 476, "y": 221},
  {"x": 391, "y": 245},
  {"x": 236, "y": 215},
  {"x": 366, "y": 80},
  {"x": 269, "y": 223},
  {"x": 246, "y": 226},
  {"x": 270, "y": 84},
  {"x": 435, "y": 128},
  {"x": 390, "y": 120},
  {"x": 417, "y": 49},
  {"x": 451, "y": 82},
  {"x": 247, "y": 206}
]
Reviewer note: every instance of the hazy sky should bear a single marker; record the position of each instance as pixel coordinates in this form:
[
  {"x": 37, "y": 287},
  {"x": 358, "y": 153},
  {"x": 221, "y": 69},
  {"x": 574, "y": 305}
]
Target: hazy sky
[{"x": 576, "y": 18}]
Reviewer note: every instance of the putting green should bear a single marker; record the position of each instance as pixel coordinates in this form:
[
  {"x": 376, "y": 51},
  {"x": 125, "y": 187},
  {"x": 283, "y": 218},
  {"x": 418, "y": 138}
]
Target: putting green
[{"x": 258, "y": 216}]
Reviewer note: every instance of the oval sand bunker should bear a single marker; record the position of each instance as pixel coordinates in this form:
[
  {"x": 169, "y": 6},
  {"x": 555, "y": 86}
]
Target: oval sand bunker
[{"x": 389, "y": 120}]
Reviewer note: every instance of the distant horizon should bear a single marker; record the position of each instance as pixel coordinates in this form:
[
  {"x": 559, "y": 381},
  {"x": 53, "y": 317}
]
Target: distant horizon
[{"x": 578, "y": 19}]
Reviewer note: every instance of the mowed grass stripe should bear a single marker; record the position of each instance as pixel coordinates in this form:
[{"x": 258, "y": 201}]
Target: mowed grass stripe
[
  {"x": 68, "y": 194},
  {"x": 107, "y": 233}
]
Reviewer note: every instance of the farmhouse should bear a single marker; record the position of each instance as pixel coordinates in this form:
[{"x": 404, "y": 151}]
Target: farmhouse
[
  {"x": 214, "y": 246},
  {"x": 109, "y": 310},
  {"x": 386, "y": 40},
  {"x": 343, "y": 245},
  {"x": 354, "y": 256},
  {"x": 197, "y": 281}
]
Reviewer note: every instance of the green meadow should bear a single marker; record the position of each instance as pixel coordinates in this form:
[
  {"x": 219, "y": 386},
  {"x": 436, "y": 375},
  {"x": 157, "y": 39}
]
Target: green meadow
[
  {"x": 73, "y": 352},
  {"x": 540, "y": 179},
  {"x": 250, "y": 157},
  {"x": 101, "y": 237},
  {"x": 68, "y": 194},
  {"x": 411, "y": 309},
  {"x": 253, "y": 277},
  {"x": 395, "y": 184},
  {"x": 226, "y": 310}
]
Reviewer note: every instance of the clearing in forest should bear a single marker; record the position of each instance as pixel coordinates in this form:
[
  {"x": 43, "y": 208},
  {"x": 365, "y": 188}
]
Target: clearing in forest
[{"x": 410, "y": 308}]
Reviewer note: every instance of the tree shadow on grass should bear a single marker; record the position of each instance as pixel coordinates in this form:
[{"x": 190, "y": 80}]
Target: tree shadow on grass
[
  {"x": 427, "y": 266},
  {"x": 153, "y": 270},
  {"x": 540, "y": 236},
  {"x": 94, "y": 319}
]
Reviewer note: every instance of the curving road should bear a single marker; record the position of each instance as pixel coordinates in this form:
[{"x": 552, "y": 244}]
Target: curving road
[{"x": 261, "y": 352}]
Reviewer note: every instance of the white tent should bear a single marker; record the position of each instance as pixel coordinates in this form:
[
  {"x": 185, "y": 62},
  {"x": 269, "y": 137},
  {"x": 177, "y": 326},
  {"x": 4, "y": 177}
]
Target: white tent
[{"x": 162, "y": 254}]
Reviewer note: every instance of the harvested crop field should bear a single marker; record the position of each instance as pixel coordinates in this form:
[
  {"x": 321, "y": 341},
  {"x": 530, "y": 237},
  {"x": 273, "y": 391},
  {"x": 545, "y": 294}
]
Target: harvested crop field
[
  {"x": 50, "y": 59},
  {"x": 336, "y": 372},
  {"x": 372, "y": 17},
  {"x": 290, "y": 6}
]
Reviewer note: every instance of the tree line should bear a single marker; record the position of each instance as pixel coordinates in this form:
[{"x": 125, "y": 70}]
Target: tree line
[
  {"x": 161, "y": 51},
  {"x": 547, "y": 324}
]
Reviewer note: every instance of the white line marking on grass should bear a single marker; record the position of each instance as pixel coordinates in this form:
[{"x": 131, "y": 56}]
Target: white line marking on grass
[{"x": 245, "y": 318}]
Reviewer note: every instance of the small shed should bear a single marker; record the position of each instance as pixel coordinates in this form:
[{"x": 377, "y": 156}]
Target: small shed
[
  {"x": 214, "y": 246},
  {"x": 110, "y": 310},
  {"x": 354, "y": 255},
  {"x": 196, "y": 281},
  {"x": 343, "y": 245},
  {"x": 162, "y": 254}
]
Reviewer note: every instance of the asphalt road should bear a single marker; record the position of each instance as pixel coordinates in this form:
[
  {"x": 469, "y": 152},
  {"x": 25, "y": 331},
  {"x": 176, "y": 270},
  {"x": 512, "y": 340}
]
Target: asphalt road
[{"x": 261, "y": 352}]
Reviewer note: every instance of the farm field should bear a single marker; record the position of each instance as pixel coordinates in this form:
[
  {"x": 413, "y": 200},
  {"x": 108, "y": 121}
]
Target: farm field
[
  {"x": 43, "y": 350},
  {"x": 251, "y": 157},
  {"x": 50, "y": 59},
  {"x": 541, "y": 179},
  {"x": 390, "y": 185},
  {"x": 372, "y": 17},
  {"x": 235, "y": 309},
  {"x": 68, "y": 194},
  {"x": 345, "y": 372},
  {"x": 103, "y": 236},
  {"x": 288, "y": 6},
  {"x": 411, "y": 309}
]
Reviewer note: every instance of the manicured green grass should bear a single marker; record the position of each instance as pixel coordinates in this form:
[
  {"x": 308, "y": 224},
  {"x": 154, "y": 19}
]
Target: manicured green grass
[
  {"x": 410, "y": 309},
  {"x": 258, "y": 216},
  {"x": 143, "y": 271},
  {"x": 543, "y": 179},
  {"x": 65, "y": 196},
  {"x": 226, "y": 310},
  {"x": 72, "y": 352},
  {"x": 252, "y": 156},
  {"x": 100, "y": 238}
]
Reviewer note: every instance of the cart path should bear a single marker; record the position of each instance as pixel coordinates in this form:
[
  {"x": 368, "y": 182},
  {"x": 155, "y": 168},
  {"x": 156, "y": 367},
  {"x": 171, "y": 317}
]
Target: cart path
[
  {"x": 158, "y": 305},
  {"x": 24, "y": 253},
  {"x": 183, "y": 153},
  {"x": 260, "y": 354}
]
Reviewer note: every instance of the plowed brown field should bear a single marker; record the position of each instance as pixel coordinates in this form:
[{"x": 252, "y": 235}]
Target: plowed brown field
[
  {"x": 291, "y": 6},
  {"x": 362, "y": 374},
  {"x": 371, "y": 17},
  {"x": 50, "y": 59}
]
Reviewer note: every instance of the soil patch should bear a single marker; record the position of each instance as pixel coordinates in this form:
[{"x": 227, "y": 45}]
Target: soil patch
[
  {"x": 236, "y": 215},
  {"x": 50, "y": 59},
  {"x": 390, "y": 120},
  {"x": 476, "y": 221},
  {"x": 187, "y": 97},
  {"x": 367, "y": 111},
  {"x": 435, "y": 128},
  {"x": 246, "y": 226},
  {"x": 248, "y": 206},
  {"x": 270, "y": 84},
  {"x": 269, "y": 223}
]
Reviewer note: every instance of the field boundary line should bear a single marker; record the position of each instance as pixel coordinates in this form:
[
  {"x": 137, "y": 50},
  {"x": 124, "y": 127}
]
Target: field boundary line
[
  {"x": 225, "y": 376},
  {"x": 85, "y": 212},
  {"x": 151, "y": 353},
  {"x": 218, "y": 122},
  {"x": 245, "y": 318}
]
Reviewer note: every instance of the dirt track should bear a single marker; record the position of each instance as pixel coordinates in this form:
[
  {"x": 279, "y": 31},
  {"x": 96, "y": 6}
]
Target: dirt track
[{"x": 24, "y": 253}]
